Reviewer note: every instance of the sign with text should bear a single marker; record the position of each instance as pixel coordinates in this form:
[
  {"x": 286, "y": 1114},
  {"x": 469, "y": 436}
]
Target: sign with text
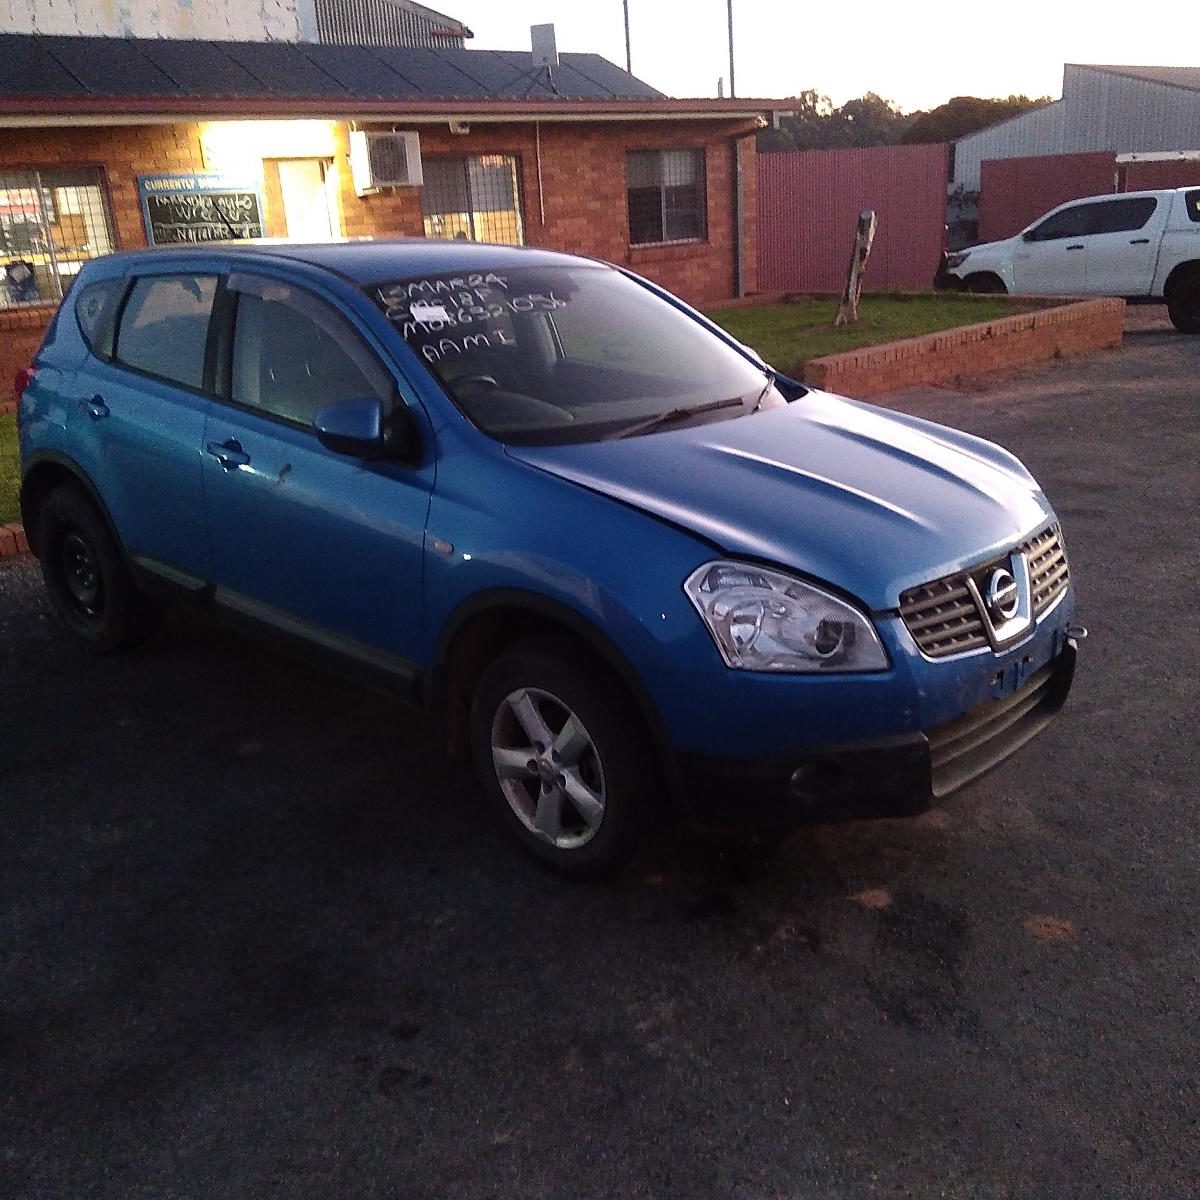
[{"x": 194, "y": 208}]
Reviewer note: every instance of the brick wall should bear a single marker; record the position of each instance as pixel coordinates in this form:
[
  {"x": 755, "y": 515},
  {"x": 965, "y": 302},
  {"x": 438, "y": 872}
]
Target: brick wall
[
  {"x": 581, "y": 194},
  {"x": 1072, "y": 328},
  {"x": 124, "y": 153}
]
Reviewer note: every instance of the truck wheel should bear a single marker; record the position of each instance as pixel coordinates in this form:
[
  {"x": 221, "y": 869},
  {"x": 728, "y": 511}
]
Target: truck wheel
[
  {"x": 985, "y": 285},
  {"x": 86, "y": 577},
  {"x": 565, "y": 765},
  {"x": 1183, "y": 305}
]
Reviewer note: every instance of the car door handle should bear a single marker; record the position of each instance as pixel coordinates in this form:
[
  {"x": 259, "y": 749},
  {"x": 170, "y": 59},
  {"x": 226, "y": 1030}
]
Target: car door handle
[
  {"x": 1139, "y": 241},
  {"x": 95, "y": 407},
  {"x": 229, "y": 453},
  {"x": 1078, "y": 246}
]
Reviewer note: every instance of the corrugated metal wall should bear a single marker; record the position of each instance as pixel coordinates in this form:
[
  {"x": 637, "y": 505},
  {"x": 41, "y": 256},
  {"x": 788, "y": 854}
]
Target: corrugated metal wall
[
  {"x": 381, "y": 23},
  {"x": 1099, "y": 111},
  {"x": 808, "y": 206},
  {"x": 1036, "y": 132},
  {"x": 1016, "y": 191}
]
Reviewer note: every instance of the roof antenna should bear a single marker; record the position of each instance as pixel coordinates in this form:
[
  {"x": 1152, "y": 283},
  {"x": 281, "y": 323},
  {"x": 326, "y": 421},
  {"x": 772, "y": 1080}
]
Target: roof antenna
[{"x": 545, "y": 57}]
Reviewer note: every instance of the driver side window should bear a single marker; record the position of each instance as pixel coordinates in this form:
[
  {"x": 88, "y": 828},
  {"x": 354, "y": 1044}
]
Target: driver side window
[{"x": 1068, "y": 223}]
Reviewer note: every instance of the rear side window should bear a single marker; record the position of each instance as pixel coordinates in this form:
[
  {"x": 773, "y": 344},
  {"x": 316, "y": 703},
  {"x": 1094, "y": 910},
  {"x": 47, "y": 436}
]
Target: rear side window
[
  {"x": 1120, "y": 216},
  {"x": 164, "y": 327},
  {"x": 1191, "y": 202},
  {"x": 94, "y": 305}
]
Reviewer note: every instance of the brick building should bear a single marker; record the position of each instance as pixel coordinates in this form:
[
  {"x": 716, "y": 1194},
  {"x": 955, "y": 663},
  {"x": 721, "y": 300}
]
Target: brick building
[{"x": 113, "y": 143}]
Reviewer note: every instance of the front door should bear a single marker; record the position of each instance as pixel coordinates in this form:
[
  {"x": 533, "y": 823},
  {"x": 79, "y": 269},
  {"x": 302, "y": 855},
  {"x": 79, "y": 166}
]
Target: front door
[
  {"x": 326, "y": 545},
  {"x": 1050, "y": 259}
]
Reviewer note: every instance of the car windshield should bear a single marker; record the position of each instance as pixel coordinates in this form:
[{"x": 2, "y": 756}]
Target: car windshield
[{"x": 570, "y": 353}]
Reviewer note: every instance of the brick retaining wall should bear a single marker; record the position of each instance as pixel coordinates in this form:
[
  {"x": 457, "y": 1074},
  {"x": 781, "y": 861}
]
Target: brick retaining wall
[{"x": 1070, "y": 328}]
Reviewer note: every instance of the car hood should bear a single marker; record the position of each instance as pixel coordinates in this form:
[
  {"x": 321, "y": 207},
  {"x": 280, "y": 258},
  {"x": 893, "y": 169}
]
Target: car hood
[
  {"x": 869, "y": 501},
  {"x": 990, "y": 249}
]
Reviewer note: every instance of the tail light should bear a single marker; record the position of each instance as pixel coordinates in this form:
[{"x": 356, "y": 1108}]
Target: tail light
[{"x": 22, "y": 379}]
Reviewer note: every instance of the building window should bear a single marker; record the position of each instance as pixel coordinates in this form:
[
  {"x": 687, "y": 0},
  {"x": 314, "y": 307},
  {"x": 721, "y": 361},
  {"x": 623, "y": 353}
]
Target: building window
[
  {"x": 666, "y": 196},
  {"x": 51, "y": 222},
  {"x": 473, "y": 199}
]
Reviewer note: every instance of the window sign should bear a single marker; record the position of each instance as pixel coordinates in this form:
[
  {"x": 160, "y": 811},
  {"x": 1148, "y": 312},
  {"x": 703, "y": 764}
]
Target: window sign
[{"x": 181, "y": 209}]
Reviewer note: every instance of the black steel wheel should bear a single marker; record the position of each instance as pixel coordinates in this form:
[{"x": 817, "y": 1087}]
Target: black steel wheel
[{"x": 86, "y": 576}]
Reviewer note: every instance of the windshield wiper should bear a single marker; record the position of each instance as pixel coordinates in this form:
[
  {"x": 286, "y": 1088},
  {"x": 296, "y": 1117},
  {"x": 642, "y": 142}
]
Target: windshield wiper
[
  {"x": 771, "y": 376},
  {"x": 673, "y": 414}
]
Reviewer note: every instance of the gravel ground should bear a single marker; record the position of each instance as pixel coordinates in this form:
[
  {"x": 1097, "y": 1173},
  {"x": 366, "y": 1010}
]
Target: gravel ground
[{"x": 258, "y": 939}]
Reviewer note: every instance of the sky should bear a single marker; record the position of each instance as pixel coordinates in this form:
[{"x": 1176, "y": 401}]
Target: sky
[{"x": 917, "y": 53}]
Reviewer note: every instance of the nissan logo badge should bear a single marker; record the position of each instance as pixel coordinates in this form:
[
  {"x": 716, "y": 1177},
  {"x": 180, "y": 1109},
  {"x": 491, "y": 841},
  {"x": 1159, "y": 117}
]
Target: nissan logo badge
[{"x": 1001, "y": 596}]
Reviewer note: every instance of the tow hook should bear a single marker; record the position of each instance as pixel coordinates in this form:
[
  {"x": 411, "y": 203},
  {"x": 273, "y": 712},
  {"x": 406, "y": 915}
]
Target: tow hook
[{"x": 1077, "y": 633}]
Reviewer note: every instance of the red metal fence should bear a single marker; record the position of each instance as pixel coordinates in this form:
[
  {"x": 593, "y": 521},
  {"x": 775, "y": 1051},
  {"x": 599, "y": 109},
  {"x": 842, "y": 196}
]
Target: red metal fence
[
  {"x": 1015, "y": 191},
  {"x": 808, "y": 205}
]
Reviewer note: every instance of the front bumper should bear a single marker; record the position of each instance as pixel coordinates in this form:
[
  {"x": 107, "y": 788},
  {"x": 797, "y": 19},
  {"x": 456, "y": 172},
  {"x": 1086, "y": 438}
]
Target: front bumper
[{"x": 881, "y": 777}]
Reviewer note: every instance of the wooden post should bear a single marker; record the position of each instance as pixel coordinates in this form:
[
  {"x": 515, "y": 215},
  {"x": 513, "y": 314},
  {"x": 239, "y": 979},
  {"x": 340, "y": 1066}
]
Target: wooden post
[{"x": 864, "y": 238}]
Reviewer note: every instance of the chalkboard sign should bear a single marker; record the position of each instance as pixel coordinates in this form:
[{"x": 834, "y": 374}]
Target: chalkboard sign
[{"x": 188, "y": 209}]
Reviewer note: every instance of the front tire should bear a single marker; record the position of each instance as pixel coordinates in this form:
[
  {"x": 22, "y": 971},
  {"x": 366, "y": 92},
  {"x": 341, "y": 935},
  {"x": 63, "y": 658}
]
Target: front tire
[
  {"x": 985, "y": 285},
  {"x": 562, "y": 761},
  {"x": 86, "y": 577},
  {"x": 1183, "y": 305}
]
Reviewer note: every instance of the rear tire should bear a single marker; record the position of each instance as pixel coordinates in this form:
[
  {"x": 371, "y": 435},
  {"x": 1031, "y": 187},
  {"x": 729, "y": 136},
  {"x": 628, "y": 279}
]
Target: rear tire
[
  {"x": 1183, "y": 304},
  {"x": 562, "y": 758},
  {"x": 86, "y": 576}
]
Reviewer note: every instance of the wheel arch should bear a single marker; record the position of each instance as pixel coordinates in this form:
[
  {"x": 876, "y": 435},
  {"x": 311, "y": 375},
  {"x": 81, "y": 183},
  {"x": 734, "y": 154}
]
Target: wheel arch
[
  {"x": 971, "y": 281},
  {"x": 47, "y": 470},
  {"x": 488, "y": 623},
  {"x": 1180, "y": 272}
]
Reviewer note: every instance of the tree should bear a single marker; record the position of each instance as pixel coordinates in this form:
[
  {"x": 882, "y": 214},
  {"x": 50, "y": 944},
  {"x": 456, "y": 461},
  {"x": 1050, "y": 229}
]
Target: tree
[
  {"x": 965, "y": 114},
  {"x": 869, "y": 120}
]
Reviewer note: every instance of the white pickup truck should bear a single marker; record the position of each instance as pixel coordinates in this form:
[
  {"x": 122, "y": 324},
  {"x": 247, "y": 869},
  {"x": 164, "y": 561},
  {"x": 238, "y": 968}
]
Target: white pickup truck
[{"x": 1140, "y": 245}]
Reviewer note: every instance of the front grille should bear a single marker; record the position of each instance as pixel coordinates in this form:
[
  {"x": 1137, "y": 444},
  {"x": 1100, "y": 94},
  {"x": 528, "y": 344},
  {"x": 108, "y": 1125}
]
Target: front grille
[
  {"x": 971, "y": 744},
  {"x": 942, "y": 616},
  {"x": 1048, "y": 575}
]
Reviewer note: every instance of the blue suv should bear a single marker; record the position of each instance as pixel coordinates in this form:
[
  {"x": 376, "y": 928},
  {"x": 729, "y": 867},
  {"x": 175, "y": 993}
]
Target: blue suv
[{"x": 628, "y": 566}]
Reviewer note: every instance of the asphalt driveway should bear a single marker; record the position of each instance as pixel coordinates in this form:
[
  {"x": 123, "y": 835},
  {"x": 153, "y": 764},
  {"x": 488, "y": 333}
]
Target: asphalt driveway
[{"x": 257, "y": 939}]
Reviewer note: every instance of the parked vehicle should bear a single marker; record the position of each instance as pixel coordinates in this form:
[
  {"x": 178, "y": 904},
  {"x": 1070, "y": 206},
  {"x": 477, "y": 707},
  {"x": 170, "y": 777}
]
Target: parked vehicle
[
  {"x": 1140, "y": 245},
  {"x": 628, "y": 565}
]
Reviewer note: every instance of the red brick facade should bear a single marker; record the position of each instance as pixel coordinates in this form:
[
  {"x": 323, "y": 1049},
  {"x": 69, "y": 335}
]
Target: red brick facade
[{"x": 578, "y": 205}]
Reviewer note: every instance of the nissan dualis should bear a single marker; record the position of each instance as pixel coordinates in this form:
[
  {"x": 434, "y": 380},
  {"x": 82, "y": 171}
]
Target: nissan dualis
[{"x": 627, "y": 564}]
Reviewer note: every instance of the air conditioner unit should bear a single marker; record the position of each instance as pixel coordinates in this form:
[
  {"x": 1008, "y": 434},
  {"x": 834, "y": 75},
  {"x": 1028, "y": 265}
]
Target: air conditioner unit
[{"x": 382, "y": 160}]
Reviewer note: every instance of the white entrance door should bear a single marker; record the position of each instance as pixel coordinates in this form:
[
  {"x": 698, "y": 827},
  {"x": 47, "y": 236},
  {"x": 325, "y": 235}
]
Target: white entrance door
[{"x": 306, "y": 200}]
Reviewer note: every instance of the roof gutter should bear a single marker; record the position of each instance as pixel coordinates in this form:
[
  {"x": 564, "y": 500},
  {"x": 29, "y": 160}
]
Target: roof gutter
[{"x": 43, "y": 111}]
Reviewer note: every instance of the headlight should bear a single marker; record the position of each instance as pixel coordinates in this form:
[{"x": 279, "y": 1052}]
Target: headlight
[
  {"x": 956, "y": 260},
  {"x": 763, "y": 620}
]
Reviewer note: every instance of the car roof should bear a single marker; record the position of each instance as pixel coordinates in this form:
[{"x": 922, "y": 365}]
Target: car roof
[{"x": 371, "y": 261}]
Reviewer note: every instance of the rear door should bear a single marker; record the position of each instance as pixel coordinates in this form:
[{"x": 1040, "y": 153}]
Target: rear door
[
  {"x": 1051, "y": 257},
  {"x": 1122, "y": 247},
  {"x": 140, "y": 403},
  {"x": 324, "y": 545}
]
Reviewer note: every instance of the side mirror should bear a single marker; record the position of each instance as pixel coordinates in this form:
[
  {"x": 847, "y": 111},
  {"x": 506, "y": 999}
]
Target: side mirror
[
  {"x": 352, "y": 427},
  {"x": 362, "y": 429}
]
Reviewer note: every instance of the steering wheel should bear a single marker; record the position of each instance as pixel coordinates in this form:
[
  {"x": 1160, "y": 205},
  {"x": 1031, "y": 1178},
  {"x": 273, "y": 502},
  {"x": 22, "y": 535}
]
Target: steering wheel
[{"x": 486, "y": 381}]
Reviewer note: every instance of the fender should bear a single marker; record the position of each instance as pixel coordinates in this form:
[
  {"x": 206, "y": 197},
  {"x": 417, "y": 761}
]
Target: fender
[
  {"x": 496, "y": 599},
  {"x": 41, "y": 458}
]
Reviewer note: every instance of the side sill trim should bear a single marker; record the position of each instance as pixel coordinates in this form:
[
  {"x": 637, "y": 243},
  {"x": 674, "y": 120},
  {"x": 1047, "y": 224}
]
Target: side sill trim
[{"x": 315, "y": 635}]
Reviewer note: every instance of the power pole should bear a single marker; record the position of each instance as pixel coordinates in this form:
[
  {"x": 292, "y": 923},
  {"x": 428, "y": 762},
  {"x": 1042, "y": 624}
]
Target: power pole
[
  {"x": 732, "y": 85},
  {"x": 628, "y": 53}
]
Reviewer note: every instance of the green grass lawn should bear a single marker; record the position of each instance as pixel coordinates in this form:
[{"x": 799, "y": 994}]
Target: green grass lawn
[
  {"x": 9, "y": 479},
  {"x": 788, "y": 335}
]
